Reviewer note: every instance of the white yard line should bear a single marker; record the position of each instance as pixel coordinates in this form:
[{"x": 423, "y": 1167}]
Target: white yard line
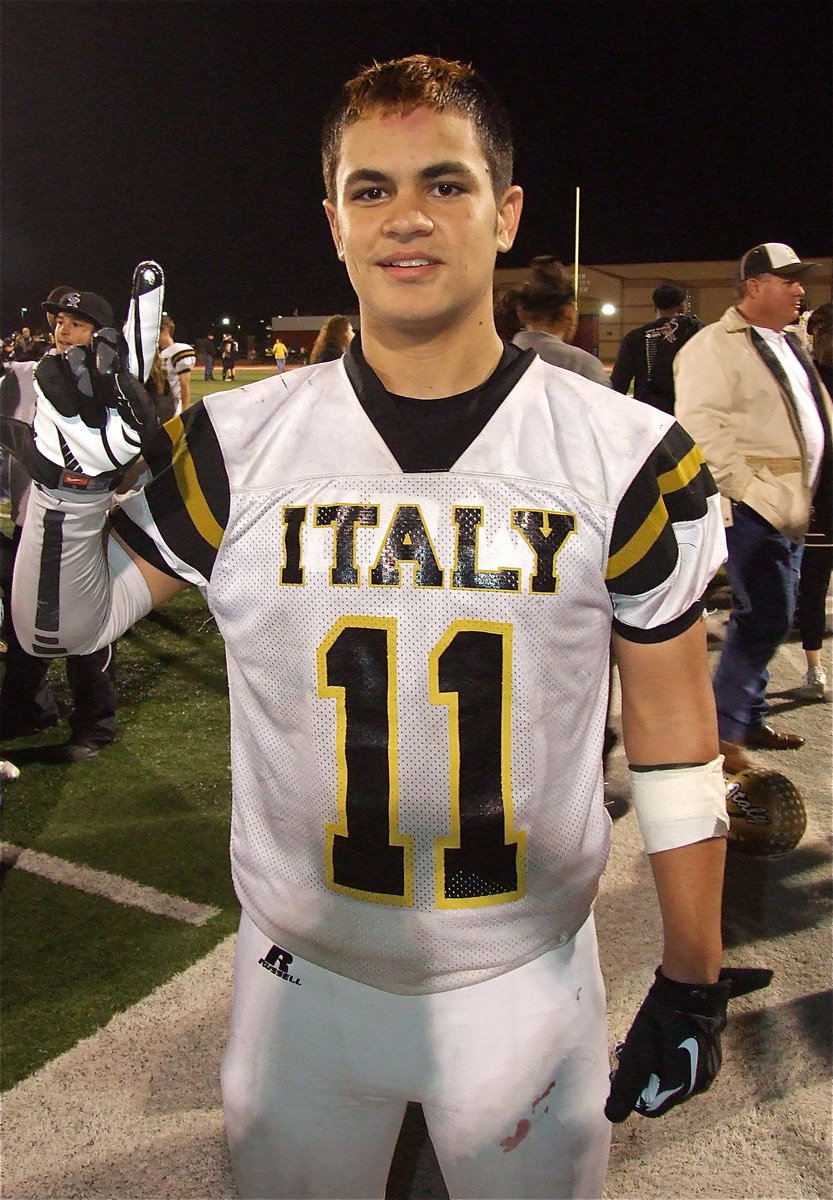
[{"x": 112, "y": 887}]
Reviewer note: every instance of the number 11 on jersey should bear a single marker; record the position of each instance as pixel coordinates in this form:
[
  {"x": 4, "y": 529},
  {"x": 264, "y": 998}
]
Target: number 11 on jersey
[{"x": 481, "y": 860}]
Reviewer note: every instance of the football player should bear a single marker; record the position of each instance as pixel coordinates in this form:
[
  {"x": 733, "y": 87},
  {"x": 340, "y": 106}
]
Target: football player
[
  {"x": 417, "y": 555},
  {"x": 178, "y": 361}
]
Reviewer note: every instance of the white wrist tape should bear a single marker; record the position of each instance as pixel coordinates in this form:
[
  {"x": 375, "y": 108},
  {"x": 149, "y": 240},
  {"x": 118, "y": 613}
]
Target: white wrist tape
[{"x": 677, "y": 806}]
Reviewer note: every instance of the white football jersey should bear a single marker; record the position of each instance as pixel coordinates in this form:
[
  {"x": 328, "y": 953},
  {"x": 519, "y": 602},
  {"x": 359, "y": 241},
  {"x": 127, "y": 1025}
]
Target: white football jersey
[
  {"x": 418, "y": 661},
  {"x": 176, "y": 359}
]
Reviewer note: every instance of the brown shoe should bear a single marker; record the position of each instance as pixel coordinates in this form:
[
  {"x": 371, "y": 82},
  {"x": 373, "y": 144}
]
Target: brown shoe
[
  {"x": 735, "y": 758},
  {"x": 767, "y": 738}
]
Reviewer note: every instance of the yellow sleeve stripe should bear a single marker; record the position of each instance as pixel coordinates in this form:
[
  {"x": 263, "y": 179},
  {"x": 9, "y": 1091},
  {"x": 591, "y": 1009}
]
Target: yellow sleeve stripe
[
  {"x": 635, "y": 549},
  {"x": 189, "y": 486},
  {"x": 678, "y": 477},
  {"x": 637, "y": 546}
]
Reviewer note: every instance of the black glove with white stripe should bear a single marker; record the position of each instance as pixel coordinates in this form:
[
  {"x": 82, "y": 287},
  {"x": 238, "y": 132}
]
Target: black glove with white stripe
[
  {"x": 672, "y": 1051},
  {"x": 92, "y": 418}
]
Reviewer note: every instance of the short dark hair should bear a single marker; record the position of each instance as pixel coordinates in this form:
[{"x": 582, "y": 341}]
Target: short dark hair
[
  {"x": 421, "y": 81},
  {"x": 668, "y": 295}
]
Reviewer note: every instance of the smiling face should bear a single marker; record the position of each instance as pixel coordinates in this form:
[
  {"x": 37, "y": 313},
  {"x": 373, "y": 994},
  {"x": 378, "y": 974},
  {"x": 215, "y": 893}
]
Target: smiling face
[
  {"x": 416, "y": 222},
  {"x": 72, "y": 330}
]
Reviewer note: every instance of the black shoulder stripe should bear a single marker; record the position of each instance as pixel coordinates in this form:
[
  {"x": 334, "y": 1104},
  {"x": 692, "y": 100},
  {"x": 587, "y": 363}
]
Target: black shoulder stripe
[
  {"x": 189, "y": 494},
  {"x": 672, "y": 486},
  {"x": 661, "y": 633},
  {"x": 138, "y": 541},
  {"x": 655, "y": 554}
]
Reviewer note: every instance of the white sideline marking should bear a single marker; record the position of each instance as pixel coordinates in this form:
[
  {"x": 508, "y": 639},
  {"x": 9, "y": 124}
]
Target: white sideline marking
[{"x": 112, "y": 887}]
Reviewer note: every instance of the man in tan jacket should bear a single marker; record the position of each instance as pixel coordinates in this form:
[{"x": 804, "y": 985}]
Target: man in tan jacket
[{"x": 749, "y": 394}]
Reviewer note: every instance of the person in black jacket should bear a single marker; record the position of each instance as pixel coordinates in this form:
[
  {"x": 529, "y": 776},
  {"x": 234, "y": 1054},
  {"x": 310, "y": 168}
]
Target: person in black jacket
[
  {"x": 646, "y": 355},
  {"x": 817, "y": 562}
]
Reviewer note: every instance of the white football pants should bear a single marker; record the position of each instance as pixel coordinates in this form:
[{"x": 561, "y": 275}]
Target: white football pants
[{"x": 512, "y": 1076}]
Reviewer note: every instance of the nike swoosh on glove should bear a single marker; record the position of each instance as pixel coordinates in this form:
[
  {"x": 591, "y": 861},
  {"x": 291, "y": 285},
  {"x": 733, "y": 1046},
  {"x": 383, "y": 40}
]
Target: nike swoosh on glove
[
  {"x": 672, "y": 1051},
  {"x": 92, "y": 419}
]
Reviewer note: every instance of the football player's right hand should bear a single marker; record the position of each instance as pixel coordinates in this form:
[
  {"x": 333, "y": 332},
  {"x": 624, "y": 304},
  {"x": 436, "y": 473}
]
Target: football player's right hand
[{"x": 92, "y": 418}]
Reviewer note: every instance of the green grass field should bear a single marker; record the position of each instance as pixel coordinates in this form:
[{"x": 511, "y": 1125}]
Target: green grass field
[
  {"x": 203, "y": 387},
  {"x": 153, "y": 808}
]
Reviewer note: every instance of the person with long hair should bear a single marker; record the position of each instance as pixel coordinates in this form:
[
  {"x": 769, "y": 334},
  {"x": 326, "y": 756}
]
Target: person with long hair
[{"x": 334, "y": 336}]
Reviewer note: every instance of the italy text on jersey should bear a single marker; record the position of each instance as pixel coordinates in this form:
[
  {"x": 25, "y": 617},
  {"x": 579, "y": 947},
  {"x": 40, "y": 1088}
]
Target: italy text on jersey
[{"x": 418, "y": 671}]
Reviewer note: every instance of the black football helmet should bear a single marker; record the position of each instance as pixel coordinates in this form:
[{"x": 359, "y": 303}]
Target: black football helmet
[{"x": 767, "y": 817}]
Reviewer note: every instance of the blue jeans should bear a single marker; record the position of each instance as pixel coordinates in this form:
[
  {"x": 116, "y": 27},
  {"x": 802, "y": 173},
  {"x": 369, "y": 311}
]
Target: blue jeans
[{"x": 764, "y": 570}]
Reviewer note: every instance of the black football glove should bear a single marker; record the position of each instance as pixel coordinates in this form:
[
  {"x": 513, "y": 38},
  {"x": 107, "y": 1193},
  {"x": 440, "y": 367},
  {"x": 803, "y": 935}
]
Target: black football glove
[
  {"x": 672, "y": 1051},
  {"x": 92, "y": 419}
]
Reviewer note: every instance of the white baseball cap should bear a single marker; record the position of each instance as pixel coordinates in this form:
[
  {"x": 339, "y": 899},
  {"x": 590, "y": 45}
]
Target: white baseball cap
[{"x": 774, "y": 258}]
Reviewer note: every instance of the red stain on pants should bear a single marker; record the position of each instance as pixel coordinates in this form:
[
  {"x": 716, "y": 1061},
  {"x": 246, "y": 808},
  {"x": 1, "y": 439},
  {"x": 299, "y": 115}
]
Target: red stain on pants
[{"x": 522, "y": 1129}]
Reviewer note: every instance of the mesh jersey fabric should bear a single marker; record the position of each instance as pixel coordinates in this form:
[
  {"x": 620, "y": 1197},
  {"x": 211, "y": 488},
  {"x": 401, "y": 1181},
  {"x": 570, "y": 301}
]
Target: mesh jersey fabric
[{"x": 418, "y": 660}]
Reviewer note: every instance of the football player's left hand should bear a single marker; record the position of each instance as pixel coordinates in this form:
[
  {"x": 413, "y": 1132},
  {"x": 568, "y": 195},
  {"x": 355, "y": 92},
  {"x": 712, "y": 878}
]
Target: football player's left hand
[{"x": 672, "y": 1051}]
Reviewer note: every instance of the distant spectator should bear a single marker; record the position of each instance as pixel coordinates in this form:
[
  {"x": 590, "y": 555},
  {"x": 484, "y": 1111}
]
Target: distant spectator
[
  {"x": 646, "y": 355},
  {"x": 799, "y": 326},
  {"x": 547, "y": 309},
  {"x": 751, "y": 398},
  {"x": 230, "y": 350},
  {"x": 279, "y": 353},
  {"x": 158, "y": 386},
  {"x": 24, "y": 346},
  {"x": 334, "y": 336},
  {"x": 507, "y": 321},
  {"x": 42, "y": 343},
  {"x": 817, "y": 563},
  {"x": 178, "y": 360},
  {"x": 209, "y": 354}
]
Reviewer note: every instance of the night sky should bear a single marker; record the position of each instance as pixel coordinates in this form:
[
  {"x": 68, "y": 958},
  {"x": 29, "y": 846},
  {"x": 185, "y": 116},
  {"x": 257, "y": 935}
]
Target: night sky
[{"x": 188, "y": 132}]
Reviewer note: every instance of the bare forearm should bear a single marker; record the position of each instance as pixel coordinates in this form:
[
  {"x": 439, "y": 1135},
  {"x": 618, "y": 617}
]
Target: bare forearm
[
  {"x": 669, "y": 721},
  {"x": 689, "y": 883}
]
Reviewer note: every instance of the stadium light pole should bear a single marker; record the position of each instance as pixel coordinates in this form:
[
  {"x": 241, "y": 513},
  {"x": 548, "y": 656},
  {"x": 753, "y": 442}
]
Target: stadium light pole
[{"x": 575, "y": 255}]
